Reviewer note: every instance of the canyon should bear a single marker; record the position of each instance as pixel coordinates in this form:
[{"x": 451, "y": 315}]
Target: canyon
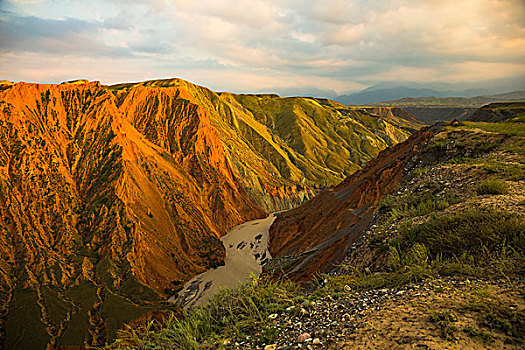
[{"x": 112, "y": 197}]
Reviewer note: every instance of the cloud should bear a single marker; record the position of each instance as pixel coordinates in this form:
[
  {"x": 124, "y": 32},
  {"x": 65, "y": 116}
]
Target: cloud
[
  {"x": 334, "y": 11},
  {"x": 64, "y": 36},
  {"x": 345, "y": 34},
  {"x": 121, "y": 21},
  {"x": 332, "y": 44}
]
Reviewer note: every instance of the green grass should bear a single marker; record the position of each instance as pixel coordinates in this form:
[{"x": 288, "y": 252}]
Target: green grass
[
  {"x": 517, "y": 147},
  {"x": 414, "y": 205},
  {"x": 475, "y": 242},
  {"x": 507, "y": 128},
  {"x": 423, "y": 208},
  {"x": 231, "y": 314},
  {"x": 492, "y": 186},
  {"x": 478, "y": 232},
  {"x": 497, "y": 316},
  {"x": 445, "y": 321},
  {"x": 509, "y": 171}
]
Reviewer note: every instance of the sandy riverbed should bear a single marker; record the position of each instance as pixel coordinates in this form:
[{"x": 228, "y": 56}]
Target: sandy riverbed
[{"x": 246, "y": 251}]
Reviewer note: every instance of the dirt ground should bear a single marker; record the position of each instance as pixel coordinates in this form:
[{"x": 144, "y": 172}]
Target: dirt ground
[{"x": 406, "y": 322}]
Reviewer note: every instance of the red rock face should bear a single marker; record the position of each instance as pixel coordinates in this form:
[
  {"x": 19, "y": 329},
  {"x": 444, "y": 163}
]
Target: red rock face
[
  {"x": 126, "y": 195},
  {"x": 318, "y": 233}
]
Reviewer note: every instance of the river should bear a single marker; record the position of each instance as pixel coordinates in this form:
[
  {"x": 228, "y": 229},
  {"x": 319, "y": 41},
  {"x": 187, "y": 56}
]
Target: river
[{"x": 246, "y": 252}]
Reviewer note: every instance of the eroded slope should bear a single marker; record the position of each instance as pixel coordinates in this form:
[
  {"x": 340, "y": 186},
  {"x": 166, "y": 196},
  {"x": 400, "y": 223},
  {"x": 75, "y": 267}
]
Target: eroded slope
[{"x": 311, "y": 238}]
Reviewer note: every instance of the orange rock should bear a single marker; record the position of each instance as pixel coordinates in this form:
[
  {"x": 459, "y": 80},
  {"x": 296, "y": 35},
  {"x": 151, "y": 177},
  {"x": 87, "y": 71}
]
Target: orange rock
[{"x": 303, "y": 337}]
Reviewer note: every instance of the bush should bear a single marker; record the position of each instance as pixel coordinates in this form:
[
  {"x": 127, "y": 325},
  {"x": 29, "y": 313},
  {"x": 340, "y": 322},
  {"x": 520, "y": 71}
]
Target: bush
[
  {"x": 445, "y": 321},
  {"x": 473, "y": 232},
  {"x": 492, "y": 187},
  {"x": 413, "y": 205}
]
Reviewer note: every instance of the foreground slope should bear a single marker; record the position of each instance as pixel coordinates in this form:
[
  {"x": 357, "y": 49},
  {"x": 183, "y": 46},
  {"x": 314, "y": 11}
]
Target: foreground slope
[{"x": 112, "y": 197}]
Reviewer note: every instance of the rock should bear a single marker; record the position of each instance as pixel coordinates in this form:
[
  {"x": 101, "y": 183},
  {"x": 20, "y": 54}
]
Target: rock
[
  {"x": 273, "y": 316},
  {"x": 270, "y": 347},
  {"x": 316, "y": 341},
  {"x": 403, "y": 340},
  {"x": 303, "y": 337}
]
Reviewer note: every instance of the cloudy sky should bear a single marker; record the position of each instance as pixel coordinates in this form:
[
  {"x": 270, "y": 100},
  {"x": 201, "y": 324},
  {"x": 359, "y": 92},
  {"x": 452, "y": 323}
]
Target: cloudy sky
[{"x": 258, "y": 45}]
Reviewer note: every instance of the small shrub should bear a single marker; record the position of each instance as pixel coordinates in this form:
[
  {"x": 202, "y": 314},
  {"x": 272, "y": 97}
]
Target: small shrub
[
  {"x": 420, "y": 170},
  {"x": 492, "y": 187},
  {"x": 497, "y": 316},
  {"x": 444, "y": 320},
  {"x": 505, "y": 170},
  {"x": 471, "y": 232},
  {"x": 439, "y": 145},
  {"x": 475, "y": 332}
]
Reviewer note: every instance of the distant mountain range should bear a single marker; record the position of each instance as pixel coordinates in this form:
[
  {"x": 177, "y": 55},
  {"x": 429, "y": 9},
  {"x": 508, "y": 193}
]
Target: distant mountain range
[
  {"x": 391, "y": 94},
  {"x": 394, "y": 90},
  {"x": 470, "y": 102},
  {"x": 433, "y": 109},
  {"x": 371, "y": 95}
]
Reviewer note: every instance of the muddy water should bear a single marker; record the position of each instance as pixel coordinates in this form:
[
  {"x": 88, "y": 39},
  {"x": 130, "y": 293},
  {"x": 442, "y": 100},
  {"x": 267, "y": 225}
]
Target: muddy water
[{"x": 246, "y": 251}]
